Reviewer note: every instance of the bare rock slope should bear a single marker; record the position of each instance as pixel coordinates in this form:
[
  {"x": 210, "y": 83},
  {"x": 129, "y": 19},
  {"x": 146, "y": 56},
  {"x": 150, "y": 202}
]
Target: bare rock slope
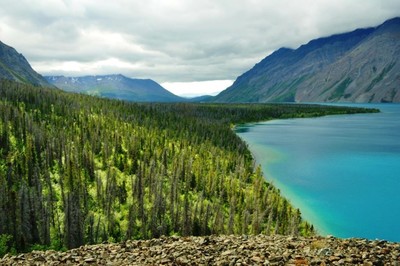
[
  {"x": 14, "y": 66},
  {"x": 358, "y": 66}
]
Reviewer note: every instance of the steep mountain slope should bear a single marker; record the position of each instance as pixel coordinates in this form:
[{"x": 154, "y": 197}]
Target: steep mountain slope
[
  {"x": 14, "y": 66},
  {"x": 116, "y": 87},
  {"x": 359, "y": 66}
]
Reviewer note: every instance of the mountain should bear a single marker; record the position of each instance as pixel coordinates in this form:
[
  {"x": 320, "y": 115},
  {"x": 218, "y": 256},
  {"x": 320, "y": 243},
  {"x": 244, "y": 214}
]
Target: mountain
[
  {"x": 14, "y": 66},
  {"x": 116, "y": 87},
  {"x": 358, "y": 66},
  {"x": 201, "y": 99}
]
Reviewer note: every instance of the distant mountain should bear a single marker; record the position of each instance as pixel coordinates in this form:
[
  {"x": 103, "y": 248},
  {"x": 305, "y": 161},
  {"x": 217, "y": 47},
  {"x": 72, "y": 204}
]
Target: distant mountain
[
  {"x": 116, "y": 87},
  {"x": 14, "y": 66},
  {"x": 201, "y": 99},
  {"x": 359, "y": 66}
]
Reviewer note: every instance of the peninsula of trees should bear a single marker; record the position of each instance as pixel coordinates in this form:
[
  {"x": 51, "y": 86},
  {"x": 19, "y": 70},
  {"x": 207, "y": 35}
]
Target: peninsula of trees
[{"x": 76, "y": 169}]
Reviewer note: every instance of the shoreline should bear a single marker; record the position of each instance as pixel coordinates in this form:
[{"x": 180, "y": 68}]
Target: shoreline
[
  {"x": 327, "y": 218},
  {"x": 272, "y": 156}
]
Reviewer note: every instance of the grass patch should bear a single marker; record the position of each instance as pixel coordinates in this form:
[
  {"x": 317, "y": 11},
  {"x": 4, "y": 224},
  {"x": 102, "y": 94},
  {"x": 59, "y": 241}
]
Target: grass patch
[
  {"x": 340, "y": 89},
  {"x": 380, "y": 77}
]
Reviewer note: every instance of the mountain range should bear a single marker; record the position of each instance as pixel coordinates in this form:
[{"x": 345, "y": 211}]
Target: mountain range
[
  {"x": 116, "y": 87},
  {"x": 358, "y": 66},
  {"x": 14, "y": 66}
]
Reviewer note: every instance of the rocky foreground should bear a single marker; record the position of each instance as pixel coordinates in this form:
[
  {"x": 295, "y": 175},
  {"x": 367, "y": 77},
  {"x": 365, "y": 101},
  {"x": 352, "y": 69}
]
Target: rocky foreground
[{"x": 222, "y": 250}]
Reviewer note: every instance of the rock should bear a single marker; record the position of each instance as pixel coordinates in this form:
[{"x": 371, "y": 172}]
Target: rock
[
  {"x": 222, "y": 250},
  {"x": 40, "y": 258},
  {"x": 300, "y": 261},
  {"x": 257, "y": 259},
  {"x": 276, "y": 258},
  {"x": 227, "y": 253},
  {"x": 90, "y": 260},
  {"x": 290, "y": 246},
  {"x": 324, "y": 252},
  {"x": 307, "y": 250},
  {"x": 333, "y": 258}
]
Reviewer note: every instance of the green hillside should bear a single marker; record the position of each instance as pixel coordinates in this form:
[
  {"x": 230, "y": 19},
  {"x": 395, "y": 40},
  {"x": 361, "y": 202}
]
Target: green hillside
[{"x": 76, "y": 169}]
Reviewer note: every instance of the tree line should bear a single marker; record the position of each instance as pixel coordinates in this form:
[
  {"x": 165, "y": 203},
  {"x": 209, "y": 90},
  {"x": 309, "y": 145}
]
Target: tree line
[{"x": 76, "y": 169}]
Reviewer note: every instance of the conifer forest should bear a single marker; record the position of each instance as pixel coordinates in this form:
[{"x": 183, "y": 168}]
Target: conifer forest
[{"x": 76, "y": 169}]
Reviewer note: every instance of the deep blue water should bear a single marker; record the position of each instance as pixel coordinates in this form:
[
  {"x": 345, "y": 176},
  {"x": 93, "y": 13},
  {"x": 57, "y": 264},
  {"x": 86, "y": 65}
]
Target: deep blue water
[{"x": 343, "y": 171}]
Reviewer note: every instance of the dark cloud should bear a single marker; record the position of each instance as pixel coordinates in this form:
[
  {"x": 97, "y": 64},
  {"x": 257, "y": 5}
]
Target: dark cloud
[{"x": 173, "y": 41}]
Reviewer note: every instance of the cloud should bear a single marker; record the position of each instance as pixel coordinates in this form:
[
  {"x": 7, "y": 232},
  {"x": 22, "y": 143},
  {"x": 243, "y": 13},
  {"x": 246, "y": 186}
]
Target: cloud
[
  {"x": 177, "y": 40},
  {"x": 197, "y": 88}
]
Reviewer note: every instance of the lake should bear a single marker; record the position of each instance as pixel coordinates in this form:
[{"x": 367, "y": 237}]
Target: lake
[{"x": 342, "y": 172}]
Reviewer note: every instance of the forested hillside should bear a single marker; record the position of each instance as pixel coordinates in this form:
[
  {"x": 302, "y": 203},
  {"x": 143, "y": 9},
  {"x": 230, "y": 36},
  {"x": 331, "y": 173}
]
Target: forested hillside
[{"x": 76, "y": 169}]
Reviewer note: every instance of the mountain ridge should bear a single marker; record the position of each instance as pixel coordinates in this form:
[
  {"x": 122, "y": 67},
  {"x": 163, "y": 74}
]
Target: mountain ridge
[
  {"x": 328, "y": 69},
  {"x": 115, "y": 86},
  {"x": 14, "y": 66}
]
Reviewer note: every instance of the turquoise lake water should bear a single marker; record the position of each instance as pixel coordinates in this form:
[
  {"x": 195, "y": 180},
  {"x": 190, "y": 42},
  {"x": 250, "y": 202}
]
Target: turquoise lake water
[{"x": 343, "y": 172}]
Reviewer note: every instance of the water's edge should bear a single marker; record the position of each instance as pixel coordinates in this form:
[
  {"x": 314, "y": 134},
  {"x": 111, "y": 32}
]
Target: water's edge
[{"x": 373, "y": 149}]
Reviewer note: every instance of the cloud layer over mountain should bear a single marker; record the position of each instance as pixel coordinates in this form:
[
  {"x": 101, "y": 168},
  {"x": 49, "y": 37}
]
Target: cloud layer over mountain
[{"x": 173, "y": 41}]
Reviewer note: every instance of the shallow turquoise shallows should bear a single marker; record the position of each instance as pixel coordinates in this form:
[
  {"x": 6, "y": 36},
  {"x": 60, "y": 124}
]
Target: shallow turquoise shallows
[{"x": 342, "y": 172}]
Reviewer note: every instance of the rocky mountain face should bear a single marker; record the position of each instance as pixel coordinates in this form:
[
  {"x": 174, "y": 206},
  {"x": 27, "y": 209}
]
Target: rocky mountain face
[
  {"x": 116, "y": 87},
  {"x": 14, "y": 66},
  {"x": 359, "y": 66}
]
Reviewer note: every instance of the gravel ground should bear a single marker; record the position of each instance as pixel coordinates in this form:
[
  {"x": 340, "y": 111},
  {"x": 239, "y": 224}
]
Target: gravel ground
[{"x": 222, "y": 250}]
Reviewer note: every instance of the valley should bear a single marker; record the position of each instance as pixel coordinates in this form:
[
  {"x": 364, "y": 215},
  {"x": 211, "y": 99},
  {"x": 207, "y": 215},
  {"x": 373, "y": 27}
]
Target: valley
[
  {"x": 77, "y": 169},
  {"x": 98, "y": 159}
]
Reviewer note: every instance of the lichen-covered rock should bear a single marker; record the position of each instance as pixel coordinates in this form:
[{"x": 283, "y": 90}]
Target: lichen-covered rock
[{"x": 222, "y": 250}]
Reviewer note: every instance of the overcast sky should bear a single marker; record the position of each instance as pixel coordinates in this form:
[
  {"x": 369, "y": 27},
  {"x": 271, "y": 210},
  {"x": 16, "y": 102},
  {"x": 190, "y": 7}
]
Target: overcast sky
[{"x": 178, "y": 43}]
